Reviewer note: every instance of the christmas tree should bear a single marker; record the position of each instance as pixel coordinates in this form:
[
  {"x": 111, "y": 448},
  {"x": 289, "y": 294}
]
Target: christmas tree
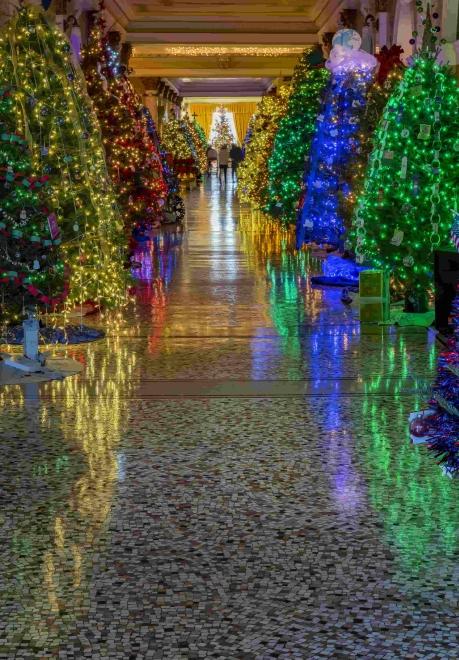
[
  {"x": 444, "y": 426},
  {"x": 55, "y": 114},
  {"x": 389, "y": 74},
  {"x": 31, "y": 271},
  {"x": 335, "y": 140},
  {"x": 293, "y": 137},
  {"x": 175, "y": 140},
  {"x": 199, "y": 142},
  {"x": 133, "y": 159},
  {"x": 253, "y": 171},
  {"x": 439, "y": 424},
  {"x": 248, "y": 135},
  {"x": 222, "y": 133},
  {"x": 411, "y": 183}
]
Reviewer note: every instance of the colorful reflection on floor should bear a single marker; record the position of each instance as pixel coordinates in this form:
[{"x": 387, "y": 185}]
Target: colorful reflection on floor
[{"x": 230, "y": 475}]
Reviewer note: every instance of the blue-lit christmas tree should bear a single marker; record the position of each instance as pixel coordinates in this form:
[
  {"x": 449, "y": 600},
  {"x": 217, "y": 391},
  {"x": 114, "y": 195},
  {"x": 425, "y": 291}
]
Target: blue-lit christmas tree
[{"x": 335, "y": 141}]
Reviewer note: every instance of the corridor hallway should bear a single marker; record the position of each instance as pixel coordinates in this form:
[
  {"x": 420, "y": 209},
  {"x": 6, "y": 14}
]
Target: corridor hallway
[{"x": 230, "y": 475}]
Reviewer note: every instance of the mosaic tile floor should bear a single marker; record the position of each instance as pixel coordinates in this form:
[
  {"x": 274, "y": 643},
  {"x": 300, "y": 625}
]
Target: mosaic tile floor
[{"x": 230, "y": 475}]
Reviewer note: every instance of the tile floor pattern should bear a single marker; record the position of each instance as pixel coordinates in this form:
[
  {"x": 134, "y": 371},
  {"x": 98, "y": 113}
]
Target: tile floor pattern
[{"x": 230, "y": 476}]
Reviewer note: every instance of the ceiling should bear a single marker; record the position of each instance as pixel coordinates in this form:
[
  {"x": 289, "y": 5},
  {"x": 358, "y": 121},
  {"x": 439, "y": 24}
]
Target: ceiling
[{"x": 231, "y": 47}]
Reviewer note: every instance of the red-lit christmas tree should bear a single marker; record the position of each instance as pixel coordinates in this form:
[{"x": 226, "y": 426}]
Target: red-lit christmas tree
[{"x": 133, "y": 159}]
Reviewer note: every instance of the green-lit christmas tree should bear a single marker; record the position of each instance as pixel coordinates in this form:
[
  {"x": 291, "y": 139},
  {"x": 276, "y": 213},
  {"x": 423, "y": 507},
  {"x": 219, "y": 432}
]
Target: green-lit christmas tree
[
  {"x": 412, "y": 180},
  {"x": 293, "y": 137},
  {"x": 31, "y": 272},
  {"x": 55, "y": 114}
]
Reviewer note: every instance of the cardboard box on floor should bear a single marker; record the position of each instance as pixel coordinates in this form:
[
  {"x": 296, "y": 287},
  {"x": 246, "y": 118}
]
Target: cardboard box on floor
[{"x": 374, "y": 296}]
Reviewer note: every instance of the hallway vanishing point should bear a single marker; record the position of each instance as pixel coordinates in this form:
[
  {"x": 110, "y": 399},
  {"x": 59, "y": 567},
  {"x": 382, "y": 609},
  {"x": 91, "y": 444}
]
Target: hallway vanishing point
[{"x": 230, "y": 475}]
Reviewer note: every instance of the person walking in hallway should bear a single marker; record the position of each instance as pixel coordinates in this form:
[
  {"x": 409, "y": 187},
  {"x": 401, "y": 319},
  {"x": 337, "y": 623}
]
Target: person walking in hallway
[
  {"x": 223, "y": 160},
  {"x": 237, "y": 156},
  {"x": 212, "y": 156}
]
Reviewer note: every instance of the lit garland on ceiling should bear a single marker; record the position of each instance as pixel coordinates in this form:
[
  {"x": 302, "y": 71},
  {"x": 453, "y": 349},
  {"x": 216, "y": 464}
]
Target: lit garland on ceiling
[
  {"x": 212, "y": 51},
  {"x": 293, "y": 137},
  {"x": 253, "y": 171},
  {"x": 56, "y": 116}
]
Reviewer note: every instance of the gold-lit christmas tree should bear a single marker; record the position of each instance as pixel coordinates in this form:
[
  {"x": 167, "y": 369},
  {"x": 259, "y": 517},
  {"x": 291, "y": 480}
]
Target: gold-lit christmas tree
[
  {"x": 253, "y": 171},
  {"x": 53, "y": 111}
]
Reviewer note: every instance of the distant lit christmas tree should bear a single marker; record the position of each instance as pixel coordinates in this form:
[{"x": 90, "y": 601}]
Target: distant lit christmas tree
[
  {"x": 335, "y": 141},
  {"x": 412, "y": 181},
  {"x": 293, "y": 137},
  {"x": 55, "y": 114},
  {"x": 31, "y": 269},
  {"x": 199, "y": 143},
  {"x": 222, "y": 130},
  {"x": 175, "y": 141},
  {"x": 253, "y": 171},
  {"x": 249, "y": 134}
]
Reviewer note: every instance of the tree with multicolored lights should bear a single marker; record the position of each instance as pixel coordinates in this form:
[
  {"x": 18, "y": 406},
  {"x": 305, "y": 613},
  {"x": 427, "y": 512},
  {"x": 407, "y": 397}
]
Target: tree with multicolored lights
[
  {"x": 444, "y": 424},
  {"x": 199, "y": 142},
  {"x": 390, "y": 72},
  {"x": 133, "y": 159},
  {"x": 293, "y": 137},
  {"x": 222, "y": 133},
  {"x": 55, "y": 114},
  {"x": 31, "y": 269},
  {"x": 253, "y": 171},
  {"x": 412, "y": 180},
  {"x": 336, "y": 139}
]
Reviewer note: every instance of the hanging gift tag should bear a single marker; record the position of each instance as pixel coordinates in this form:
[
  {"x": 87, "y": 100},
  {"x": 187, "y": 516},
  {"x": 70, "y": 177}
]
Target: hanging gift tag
[
  {"x": 36, "y": 264},
  {"x": 397, "y": 238},
  {"x": 356, "y": 103},
  {"x": 354, "y": 120},
  {"x": 320, "y": 117},
  {"x": 53, "y": 226},
  {"x": 424, "y": 132},
  {"x": 405, "y": 133},
  {"x": 404, "y": 167},
  {"x": 408, "y": 261},
  {"x": 437, "y": 115},
  {"x": 308, "y": 224},
  {"x": 360, "y": 258},
  {"x": 388, "y": 155},
  {"x": 334, "y": 132},
  {"x": 415, "y": 91}
]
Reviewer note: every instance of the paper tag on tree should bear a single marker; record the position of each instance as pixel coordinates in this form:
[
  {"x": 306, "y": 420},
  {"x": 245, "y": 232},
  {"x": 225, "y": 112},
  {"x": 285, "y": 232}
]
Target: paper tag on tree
[
  {"x": 397, "y": 238},
  {"x": 308, "y": 224},
  {"x": 424, "y": 132},
  {"x": 388, "y": 155},
  {"x": 404, "y": 167}
]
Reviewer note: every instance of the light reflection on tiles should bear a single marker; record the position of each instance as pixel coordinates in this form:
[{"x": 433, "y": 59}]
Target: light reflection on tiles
[{"x": 230, "y": 475}]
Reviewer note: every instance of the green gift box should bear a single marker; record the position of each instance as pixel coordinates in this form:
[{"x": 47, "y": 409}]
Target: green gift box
[{"x": 374, "y": 296}]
